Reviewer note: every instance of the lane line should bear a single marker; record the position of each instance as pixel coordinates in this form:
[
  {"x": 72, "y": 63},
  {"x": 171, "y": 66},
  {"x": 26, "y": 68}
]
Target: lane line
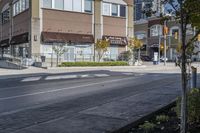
[
  {"x": 62, "y": 89},
  {"x": 30, "y": 79}
]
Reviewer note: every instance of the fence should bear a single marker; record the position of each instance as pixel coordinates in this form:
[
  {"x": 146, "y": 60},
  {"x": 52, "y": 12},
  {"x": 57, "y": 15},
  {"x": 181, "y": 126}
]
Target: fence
[{"x": 50, "y": 59}]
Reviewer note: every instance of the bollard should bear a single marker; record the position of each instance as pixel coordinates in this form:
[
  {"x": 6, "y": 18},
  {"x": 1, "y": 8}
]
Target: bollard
[{"x": 194, "y": 77}]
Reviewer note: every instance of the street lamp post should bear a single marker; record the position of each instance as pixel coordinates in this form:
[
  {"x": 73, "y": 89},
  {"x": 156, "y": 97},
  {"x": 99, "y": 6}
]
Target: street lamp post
[
  {"x": 159, "y": 49},
  {"x": 165, "y": 42}
]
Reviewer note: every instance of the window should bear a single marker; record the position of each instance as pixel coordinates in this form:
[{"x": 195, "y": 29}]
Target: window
[
  {"x": 106, "y": 9},
  {"x": 122, "y": 11},
  {"x": 114, "y": 10},
  {"x": 20, "y": 6},
  {"x": 47, "y": 3},
  {"x": 156, "y": 30},
  {"x": 23, "y": 5},
  {"x": 59, "y": 4},
  {"x": 140, "y": 35},
  {"x": 68, "y": 5},
  {"x": 27, "y": 4},
  {"x": 174, "y": 31},
  {"x": 88, "y": 6},
  {"x": 77, "y": 5},
  {"x": 5, "y": 16}
]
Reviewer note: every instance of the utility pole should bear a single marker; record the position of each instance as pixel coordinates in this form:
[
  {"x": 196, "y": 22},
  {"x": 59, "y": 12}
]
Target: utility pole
[
  {"x": 159, "y": 49},
  {"x": 165, "y": 41}
]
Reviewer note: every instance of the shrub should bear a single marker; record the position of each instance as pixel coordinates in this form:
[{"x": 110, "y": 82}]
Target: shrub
[
  {"x": 147, "y": 127},
  {"x": 125, "y": 56},
  {"x": 193, "y": 106},
  {"x": 77, "y": 64},
  {"x": 162, "y": 118}
]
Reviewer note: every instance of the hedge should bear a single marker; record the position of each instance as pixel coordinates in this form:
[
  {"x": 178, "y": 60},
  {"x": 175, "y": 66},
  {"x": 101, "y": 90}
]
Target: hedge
[{"x": 80, "y": 64}]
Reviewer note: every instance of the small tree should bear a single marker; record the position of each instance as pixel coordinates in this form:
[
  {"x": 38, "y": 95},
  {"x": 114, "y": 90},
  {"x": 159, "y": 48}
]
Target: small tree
[
  {"x": 59, "y": 49},
  {"x": 186, "y": 12},
  {"x": 101, "y": 47},
  {"x": 135, "y": 45}
]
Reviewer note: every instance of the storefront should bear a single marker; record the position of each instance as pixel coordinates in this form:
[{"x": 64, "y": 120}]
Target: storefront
[
  {"x": 117, "y": 46},
  {"x": 20, "y": 46},
  {"x": 78, "y": 47}
]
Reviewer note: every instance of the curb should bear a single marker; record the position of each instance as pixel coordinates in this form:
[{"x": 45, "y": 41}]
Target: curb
[{"x": 95, "y": 68}]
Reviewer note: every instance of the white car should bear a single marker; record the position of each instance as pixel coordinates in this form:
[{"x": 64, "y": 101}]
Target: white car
[{"x": 163, "y": 59}]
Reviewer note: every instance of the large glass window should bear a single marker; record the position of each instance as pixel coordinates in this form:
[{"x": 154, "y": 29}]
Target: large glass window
[
  {"x": 47, "y": 3},
  {"x": 156, "y": 30},
  {"x": 106, "y": 9},
  {"x": 23, "y": 5},
  {"x": 59, "y": 4},
  {"x": 122, "y": 11},
  {"x": 77, "y": 5},
  {"x": 27, "y": 4},
  {"x": 114, "y": 10},
  {"x": 68, "y": 4},
  {"x": 19, "y": 6},
  {"x": 88, "y": 6}
]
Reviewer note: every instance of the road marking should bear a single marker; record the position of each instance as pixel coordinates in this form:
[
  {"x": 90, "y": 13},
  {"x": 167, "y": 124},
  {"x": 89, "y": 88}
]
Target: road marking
[
  {"x": 102, "y": 75},
  {"x": 29, "y": 79},
  {"x": 61, "y": 77},
  {"x": 62, "y": 89},
  {"x": 129, "y": 74}
]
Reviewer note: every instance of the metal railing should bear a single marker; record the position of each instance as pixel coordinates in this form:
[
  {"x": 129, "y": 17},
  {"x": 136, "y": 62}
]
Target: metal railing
[{"x": 50, "y": 59}]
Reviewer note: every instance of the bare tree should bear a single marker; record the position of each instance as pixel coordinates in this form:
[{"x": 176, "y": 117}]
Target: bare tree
[{"x": 59, "y": 49}]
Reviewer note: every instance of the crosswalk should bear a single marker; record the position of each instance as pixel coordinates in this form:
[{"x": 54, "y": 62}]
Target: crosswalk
[
  {"x": 58, "y": 77},
  {"x": 72, "y": 76}
]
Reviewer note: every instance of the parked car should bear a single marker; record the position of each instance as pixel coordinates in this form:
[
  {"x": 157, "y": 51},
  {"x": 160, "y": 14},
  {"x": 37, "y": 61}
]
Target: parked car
[
  {"x": 162, "y": 59},
  {"x": 145, "y": 58}
]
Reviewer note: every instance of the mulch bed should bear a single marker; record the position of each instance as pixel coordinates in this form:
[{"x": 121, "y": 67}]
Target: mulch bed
[{"x": 170, "y": 126}]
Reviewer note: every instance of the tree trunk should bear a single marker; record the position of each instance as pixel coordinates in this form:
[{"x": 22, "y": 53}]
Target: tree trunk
[
  {"x": 57, "y": 61},
  {"x": 184, "y": 75},
  {"x": 139, "y": 54}
]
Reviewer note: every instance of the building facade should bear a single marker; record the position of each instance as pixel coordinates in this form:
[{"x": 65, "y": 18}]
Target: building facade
[
  {"x": 150, "y": 31},
  {"x": 31, "y": 28}
]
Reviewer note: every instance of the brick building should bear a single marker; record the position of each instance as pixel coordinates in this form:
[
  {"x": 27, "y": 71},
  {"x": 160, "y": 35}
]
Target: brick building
[
  {"x": 30, "y": 28},
  {"x": 150, "y": 31}
]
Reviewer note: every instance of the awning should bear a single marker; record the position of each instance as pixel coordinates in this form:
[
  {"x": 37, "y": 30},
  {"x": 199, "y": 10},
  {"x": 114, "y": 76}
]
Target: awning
[
  {"x": 52, "y": 37},
  {"x": 4, "y": 43},
  {"x": 116, "y": 40},
  {"x": 19, "y": 39}
]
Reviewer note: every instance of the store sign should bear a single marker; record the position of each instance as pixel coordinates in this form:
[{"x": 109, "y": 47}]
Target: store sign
[{"x": 116, "y": 40}]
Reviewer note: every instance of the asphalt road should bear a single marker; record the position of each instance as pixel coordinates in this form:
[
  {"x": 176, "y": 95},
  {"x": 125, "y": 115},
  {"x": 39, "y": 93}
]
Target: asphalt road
[{"x": 23, "y": 99}]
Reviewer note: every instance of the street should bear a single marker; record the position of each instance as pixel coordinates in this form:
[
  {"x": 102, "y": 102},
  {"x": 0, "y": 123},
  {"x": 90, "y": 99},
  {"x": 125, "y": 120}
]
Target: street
[{"x": 82, "y": 100}]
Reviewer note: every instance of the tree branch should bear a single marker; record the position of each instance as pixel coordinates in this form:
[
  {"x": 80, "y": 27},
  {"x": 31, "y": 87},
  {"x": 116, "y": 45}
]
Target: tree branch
[{"x": 193, "y": 38}]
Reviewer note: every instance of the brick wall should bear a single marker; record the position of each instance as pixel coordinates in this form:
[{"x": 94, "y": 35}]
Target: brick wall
[{"x": 67, "y": 22}]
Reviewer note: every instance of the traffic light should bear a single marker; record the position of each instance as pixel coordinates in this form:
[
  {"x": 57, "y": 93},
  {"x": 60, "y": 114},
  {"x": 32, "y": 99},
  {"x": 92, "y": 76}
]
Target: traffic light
[
  {"x": 199, "y": 37},
  {"x": 176, "y": 35},
  {"x": 166, "y": 30}
]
